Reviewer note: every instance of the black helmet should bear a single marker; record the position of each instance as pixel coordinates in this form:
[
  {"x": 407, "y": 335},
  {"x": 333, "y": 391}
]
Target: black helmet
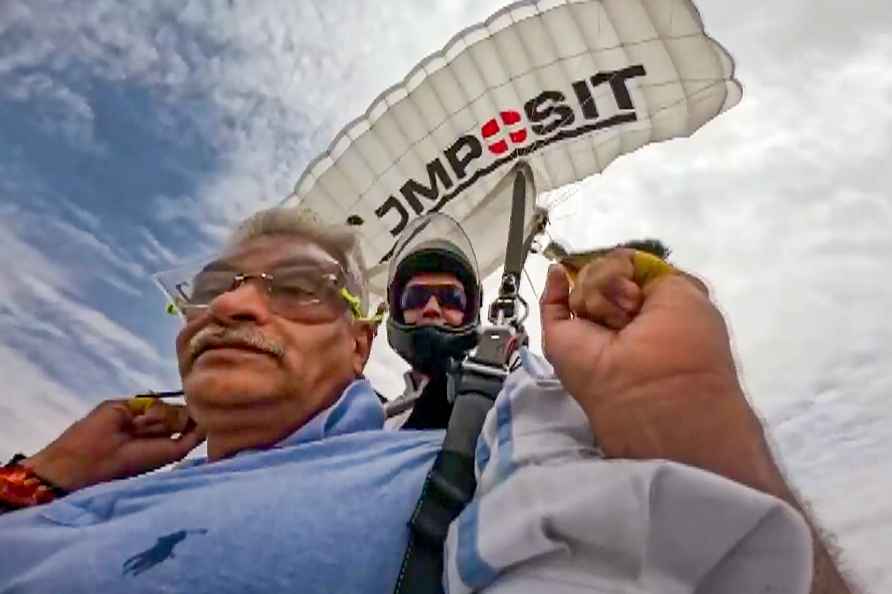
[{"x": 433, "y": 243}]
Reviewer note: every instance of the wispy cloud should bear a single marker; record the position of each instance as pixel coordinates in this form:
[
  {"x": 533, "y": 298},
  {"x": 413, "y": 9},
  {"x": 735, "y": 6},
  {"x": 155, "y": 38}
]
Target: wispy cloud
[
  {"x": 64, "y": 112},
  {"x": 40, "y": 408},
  {"x": 61, "y": 350},
  {"x": 153, "y": 251},
  {"x": 68, "y": 333}
]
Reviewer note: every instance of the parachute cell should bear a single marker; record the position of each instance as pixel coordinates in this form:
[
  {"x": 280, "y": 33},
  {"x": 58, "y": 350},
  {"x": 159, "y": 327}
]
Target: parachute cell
[{"x": 565, "y": 85}]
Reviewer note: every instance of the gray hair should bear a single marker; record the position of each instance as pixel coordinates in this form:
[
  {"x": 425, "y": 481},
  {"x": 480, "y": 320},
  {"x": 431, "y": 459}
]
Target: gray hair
[{"x": 341, "y": 241}]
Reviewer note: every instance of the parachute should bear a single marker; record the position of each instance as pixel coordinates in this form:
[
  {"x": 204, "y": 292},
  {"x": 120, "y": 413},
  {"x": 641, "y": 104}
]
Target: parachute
[{"x": 553, "y": 89}]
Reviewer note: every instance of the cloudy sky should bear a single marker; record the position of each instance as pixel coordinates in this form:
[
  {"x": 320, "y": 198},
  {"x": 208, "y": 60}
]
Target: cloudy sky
[{"x": 133, "y": 134}]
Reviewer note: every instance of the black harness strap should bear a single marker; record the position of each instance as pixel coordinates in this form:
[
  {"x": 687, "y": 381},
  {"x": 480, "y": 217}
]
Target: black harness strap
[
  {"x": 476, "y": 382},
  {"x": 447, "y": 490},
  {"x": 515, "y": 254}
]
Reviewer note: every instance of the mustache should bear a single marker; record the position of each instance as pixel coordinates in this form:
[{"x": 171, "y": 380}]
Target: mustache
[{"x": 236, "y": 336}]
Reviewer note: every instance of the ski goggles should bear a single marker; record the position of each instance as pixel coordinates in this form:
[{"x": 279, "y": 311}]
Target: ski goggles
[{"x": 449, "y": 297}]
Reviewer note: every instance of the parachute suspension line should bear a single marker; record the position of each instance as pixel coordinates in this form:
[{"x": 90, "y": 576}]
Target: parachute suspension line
[
  {"x": 548, "y": 233},
  {"x": 563, "y": 217},
  {"x": 565, "y": 196},
  {"x": 530, "y": 281}
]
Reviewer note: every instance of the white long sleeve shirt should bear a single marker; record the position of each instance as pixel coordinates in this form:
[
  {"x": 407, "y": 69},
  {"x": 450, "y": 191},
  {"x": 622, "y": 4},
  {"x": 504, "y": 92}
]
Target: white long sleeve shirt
[{"x": 551, "y": 516}]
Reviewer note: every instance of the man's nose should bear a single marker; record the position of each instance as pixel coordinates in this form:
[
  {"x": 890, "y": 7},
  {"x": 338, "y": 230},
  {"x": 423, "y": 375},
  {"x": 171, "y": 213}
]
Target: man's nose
[
  {"x": 432, "y": 308},
  {"x": 246, "y": 303}
]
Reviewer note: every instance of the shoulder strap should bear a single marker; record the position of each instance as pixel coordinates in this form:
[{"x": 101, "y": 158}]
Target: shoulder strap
[
  {"x": 475, "y": 384},
  {"x": 449, "y": 485}
]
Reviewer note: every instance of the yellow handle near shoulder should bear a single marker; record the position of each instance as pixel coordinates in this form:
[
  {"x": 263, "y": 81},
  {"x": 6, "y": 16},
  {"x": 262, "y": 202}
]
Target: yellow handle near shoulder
[
  {"x": 649, "y": 267},
  {"x": 138, "y": 405}
]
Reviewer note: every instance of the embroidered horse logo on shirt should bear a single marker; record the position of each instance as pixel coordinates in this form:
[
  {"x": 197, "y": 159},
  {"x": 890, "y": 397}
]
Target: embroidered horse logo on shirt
[{"x": 160, "y": 552}]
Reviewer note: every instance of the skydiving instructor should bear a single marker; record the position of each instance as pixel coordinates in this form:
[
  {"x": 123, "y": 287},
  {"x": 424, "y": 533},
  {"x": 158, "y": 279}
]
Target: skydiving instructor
[{"x": 434, "y": 298}]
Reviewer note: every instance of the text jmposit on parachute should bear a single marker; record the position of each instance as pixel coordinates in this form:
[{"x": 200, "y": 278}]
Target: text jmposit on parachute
[{"x": 554, "y": 90}]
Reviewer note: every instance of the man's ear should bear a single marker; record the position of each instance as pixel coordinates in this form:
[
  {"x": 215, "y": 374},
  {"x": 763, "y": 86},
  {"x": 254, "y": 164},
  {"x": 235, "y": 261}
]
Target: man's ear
[{"x": 363, "y": 335}]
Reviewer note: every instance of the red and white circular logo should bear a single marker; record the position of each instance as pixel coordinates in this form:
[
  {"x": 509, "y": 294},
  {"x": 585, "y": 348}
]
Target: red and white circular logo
[{"x": 492, "y": 131}]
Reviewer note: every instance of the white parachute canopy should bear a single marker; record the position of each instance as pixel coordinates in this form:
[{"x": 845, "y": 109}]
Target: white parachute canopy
[{"x": 564, "y": 85}]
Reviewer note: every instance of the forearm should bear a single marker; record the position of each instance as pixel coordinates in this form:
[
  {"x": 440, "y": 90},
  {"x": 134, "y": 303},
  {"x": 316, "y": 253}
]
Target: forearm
[
  {"x": 59, "y": 468},
  {"x": 827, "y": 578},
  {"x": 756, "y": 468},
  {"x": 711, "y": 427}
]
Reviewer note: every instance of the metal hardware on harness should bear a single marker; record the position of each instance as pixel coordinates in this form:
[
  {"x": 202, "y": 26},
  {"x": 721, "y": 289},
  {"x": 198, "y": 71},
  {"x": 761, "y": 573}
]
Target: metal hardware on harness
[
  {"x": 503, "y": 310},
  {"x": 484, "y": 369},
  {"x": 494, "y": 347}
]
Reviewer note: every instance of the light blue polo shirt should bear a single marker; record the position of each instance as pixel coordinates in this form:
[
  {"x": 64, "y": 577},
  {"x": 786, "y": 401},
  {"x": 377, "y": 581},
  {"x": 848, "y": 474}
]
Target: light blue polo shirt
[{"x": 325, "y": 511}]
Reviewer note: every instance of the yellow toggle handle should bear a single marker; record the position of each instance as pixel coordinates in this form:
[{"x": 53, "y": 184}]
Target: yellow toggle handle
[
  {"x": 648, "y": 268},
  {"x": 138, "y": 405}
]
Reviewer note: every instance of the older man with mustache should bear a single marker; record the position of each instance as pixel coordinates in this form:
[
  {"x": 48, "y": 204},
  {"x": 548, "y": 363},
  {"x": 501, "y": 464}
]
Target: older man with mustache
[
  {"x": 301, "y": 490},
  {"x": 273, "y": 334}
]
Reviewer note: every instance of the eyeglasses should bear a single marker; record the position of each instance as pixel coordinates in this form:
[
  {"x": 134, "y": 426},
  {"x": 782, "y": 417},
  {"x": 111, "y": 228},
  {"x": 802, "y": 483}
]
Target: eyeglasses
[
  {"x": 449, "y": 297},
  {"x": 306, "y": 292}
]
